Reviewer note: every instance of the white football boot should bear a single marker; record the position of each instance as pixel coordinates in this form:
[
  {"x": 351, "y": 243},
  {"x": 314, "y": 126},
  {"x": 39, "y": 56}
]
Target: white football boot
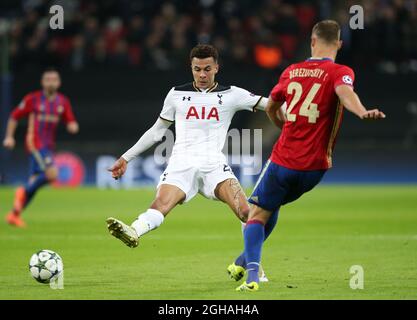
[
  {"x": 123, "y": 232},
  {"x": 262, "y": 275}
]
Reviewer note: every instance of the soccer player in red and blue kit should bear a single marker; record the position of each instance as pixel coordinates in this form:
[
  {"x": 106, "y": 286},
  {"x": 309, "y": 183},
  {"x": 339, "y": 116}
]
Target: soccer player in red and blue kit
[
  {"x": 315, "y": 92},
  {"x": 44, "y": 109}
]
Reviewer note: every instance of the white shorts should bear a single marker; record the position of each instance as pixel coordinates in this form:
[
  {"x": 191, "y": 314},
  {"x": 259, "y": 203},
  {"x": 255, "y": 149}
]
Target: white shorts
[{"x": 191, "y": 179}]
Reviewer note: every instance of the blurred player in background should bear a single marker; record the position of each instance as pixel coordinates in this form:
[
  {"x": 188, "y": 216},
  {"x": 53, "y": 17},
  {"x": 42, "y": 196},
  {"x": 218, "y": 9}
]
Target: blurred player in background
[
  {"x": 44, "y": 109},
  {"x": 315, "y": 91},
  {"x": 202, "y": 111}
]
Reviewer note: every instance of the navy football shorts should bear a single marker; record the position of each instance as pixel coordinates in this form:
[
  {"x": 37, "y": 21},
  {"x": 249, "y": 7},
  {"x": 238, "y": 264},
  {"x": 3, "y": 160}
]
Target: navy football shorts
[
  {"x": 40, "y": 160},
  {"x": 278, "y": 185}
]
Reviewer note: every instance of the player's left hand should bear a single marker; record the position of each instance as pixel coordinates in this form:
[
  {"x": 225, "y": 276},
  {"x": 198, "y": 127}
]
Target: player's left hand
[
  {"x": 373, "y": 114},
  {"x": 73, "y": 127}
]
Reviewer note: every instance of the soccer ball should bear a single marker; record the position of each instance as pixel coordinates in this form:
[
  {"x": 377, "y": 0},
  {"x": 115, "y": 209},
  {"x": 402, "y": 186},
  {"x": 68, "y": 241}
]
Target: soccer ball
[{"x": 45, "y": 266}]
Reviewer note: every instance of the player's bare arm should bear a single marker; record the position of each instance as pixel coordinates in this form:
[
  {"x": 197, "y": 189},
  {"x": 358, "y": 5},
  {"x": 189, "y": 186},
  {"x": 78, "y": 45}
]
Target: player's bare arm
[
  {"x": 351, "y": 101},
  {"x": 275, "y": 113},
  {"x": 9, "y": 141},
  {"x": 148, "y": 139}
]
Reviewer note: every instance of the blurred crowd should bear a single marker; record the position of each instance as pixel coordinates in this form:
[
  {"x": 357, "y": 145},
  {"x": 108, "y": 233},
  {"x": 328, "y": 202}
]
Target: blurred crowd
[
  {"x": 388, "y": 40},
  {"x": 159, "y": 34}
]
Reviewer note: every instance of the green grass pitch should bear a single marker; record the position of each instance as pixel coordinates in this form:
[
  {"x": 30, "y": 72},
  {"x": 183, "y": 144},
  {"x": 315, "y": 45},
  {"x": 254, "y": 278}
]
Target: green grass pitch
[{"x": 308, "y": 256}]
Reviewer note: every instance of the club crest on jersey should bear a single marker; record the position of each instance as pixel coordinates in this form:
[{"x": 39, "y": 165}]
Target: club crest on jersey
[
  {"x": 203, "y": 113},
  {"x": 347, "y": 79},
  {"x": 47, "y": 118},
  {"x": 60, "y": 109},
  {"x": 220, "y": 98}
]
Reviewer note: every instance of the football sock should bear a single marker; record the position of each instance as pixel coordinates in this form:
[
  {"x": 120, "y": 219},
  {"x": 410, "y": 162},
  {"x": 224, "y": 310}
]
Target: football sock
[
  {"x": 148, "y": 221},
  {"x": 253, "y": 237},
  {"x": 269, "y": 226},
  {"x": 33, "y": 186}
]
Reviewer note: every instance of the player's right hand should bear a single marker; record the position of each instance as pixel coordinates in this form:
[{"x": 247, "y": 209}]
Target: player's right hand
[
  {"x": 118, "y": 168},
  {"x": 9, "y": 143},
  {"x": 373, "y": 114}
]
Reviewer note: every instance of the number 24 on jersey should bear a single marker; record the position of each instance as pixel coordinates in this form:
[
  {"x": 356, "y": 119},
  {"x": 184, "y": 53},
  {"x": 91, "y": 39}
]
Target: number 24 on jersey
[{"x": 308, "y": 108}]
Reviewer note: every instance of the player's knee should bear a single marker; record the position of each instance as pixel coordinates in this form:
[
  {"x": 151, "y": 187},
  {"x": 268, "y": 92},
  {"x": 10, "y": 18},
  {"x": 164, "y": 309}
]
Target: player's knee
[{"x": 51, "y": 174}]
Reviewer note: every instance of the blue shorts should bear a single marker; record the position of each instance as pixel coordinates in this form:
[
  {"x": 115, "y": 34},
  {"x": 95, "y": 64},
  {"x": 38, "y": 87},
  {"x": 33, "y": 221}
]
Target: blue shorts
[
  {"x": 278, "y": 185},
  {"x": 40, "y": 160}
]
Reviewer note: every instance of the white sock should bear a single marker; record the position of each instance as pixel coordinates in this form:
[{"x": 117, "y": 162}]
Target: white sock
[{"x": 148, "y": 221}]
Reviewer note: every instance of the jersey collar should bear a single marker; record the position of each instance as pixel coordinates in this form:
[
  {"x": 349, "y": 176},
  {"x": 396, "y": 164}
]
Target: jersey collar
[
  {"x": 319, "y": 59},
  {"x": 195, "y": 87},
  {"x": 43, "y": 95},
  {"x": 213, "y": 87}
]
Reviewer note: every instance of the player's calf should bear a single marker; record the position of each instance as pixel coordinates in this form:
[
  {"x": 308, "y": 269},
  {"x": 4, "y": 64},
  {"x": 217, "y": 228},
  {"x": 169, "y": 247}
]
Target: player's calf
[
  {"x": 20, "y": 199},
  {"x": 230, "y": 192},
  {"x": 167, "y": 197},
  {"x": 244, "y": 210}
]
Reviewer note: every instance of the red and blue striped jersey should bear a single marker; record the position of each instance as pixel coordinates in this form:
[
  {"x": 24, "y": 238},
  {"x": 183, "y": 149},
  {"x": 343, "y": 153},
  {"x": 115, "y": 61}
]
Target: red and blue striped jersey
[{"x": 43, "y": 117}]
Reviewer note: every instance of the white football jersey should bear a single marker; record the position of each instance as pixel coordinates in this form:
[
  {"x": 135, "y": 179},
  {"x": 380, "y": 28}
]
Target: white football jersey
[{"x": 202, "y": 119}]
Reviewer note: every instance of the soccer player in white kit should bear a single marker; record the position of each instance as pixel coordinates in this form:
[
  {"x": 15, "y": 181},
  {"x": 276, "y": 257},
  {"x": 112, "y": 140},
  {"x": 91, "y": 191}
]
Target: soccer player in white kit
[{"x": 202, "y": 112}]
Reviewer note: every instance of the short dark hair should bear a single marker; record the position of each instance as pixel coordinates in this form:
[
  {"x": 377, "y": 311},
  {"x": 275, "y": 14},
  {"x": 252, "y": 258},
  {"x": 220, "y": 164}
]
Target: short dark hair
[
  {"x": 327, "y": 30},
  {"x": 202, "y": 51},
  {"x": 50, "y": 69}
]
